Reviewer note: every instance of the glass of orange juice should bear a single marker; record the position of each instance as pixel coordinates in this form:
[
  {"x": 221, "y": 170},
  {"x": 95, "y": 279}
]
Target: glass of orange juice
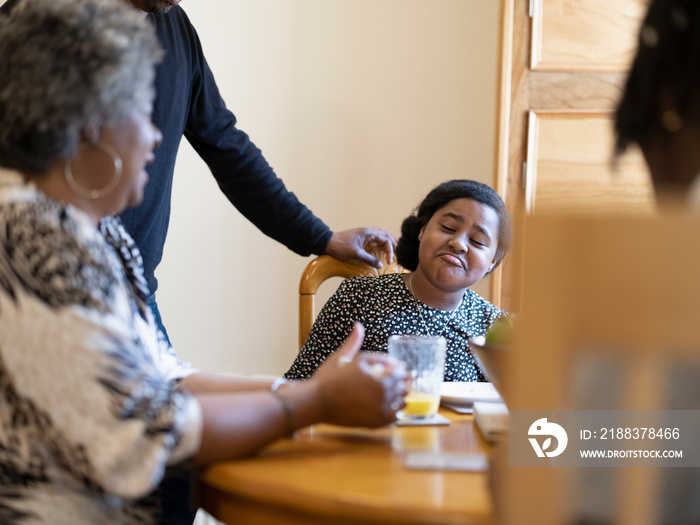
[{"x": 425, "y": 361}]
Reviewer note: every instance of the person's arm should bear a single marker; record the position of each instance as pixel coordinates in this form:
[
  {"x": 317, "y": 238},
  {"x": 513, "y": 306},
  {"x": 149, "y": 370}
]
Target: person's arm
[
  {"x": 210, "y": 383},
  {"x": 252, "y": 186},
  {"x": 102, "y": 396},
  {"x": 240, "y": 169},
  {"x": 364, "y": 391}
]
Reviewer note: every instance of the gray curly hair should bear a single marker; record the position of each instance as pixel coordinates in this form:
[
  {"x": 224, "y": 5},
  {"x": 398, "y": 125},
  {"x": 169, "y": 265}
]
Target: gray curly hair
[{"x": 68, "y": 66}]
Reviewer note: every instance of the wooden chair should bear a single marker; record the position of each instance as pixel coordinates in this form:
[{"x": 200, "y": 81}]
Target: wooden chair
[
  {"x": 322, "y": 268},
  {"x": 609, "y": 321}
]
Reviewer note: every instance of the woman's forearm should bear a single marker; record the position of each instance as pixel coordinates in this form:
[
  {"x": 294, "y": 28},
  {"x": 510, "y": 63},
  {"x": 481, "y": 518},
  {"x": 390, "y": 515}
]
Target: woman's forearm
[
  {"x": 206, "y": 383},
  {"x": 236, "y": 425}
]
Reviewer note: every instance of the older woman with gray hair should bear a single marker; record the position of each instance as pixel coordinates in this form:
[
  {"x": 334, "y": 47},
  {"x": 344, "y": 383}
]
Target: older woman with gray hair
[{"x": 95, "y": 405}]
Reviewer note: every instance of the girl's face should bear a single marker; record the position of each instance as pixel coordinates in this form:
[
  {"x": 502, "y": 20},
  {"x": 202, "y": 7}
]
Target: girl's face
[{"x": 458, "y": 245}]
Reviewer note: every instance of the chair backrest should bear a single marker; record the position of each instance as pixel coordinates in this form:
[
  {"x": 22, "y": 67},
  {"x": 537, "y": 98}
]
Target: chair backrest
[
  {"x": 322, "y": 268},
  {"x": 609, "y": 322}
]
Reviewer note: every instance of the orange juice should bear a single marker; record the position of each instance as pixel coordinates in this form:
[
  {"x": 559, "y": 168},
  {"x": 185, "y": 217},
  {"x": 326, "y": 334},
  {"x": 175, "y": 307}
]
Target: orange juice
[{"x": 421, "y": 405}]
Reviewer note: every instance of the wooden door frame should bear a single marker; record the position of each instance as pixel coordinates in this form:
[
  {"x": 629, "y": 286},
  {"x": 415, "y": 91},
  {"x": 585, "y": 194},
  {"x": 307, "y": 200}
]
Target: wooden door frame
[{"x": 511, "y": 113}]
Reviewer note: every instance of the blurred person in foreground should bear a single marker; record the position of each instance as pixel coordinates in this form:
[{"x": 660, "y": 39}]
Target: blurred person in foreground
[
  {"x": 660, "y": 112},
  {"x": 95, "y": 405},
  {"x": 458, "y": 234}
]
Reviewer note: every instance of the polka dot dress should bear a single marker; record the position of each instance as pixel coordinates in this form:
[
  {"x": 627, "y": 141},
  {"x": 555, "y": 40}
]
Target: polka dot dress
[{"x": 385, "y": 307}]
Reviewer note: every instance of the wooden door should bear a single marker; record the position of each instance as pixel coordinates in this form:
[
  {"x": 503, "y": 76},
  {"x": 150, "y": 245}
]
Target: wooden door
[{"x": 563, "y": 65}]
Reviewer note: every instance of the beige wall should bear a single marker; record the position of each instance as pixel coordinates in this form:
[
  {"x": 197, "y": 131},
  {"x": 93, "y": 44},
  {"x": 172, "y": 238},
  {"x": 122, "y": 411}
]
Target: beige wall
[{"x": 361, "y": 106}]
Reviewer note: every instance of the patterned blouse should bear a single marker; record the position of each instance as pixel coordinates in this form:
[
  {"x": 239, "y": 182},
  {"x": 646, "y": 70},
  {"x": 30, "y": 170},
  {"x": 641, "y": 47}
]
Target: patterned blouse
[
  {"x": 385, "y": 307},
  {"x": 90, "y": 413}
]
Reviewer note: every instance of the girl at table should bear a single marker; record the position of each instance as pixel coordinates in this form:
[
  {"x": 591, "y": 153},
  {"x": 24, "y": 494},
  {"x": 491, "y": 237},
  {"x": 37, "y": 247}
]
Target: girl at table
[
  {"x": 459, "y": 234},
  {"x": 94, "y": 404}
]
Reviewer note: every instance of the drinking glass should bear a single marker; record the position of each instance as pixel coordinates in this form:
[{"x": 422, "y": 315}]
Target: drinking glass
[{"x": 425, "y": 361}]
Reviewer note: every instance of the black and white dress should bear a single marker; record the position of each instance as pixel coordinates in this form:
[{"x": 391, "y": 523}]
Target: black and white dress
[
  {"x": 385, "y": 307},
  {"x": 91, "y": 413}
]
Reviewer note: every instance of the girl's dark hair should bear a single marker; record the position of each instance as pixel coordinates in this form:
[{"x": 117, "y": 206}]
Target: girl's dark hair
[
  {"x": 667, "y": 65},
  {"x": 407, "y": 250}
]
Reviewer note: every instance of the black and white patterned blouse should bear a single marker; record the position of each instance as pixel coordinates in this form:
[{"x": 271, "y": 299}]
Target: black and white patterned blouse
[
  {"x": 385, "y": 307},
  {"x": 90, "y": 411}
]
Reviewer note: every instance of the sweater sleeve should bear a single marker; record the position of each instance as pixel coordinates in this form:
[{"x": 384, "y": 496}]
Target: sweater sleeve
[
  {"x": 101, "y": 407},
  {"x": 332, "y": 326},
  {"x": 241, "y": 171},
  {"x": 89, "y": 397}
]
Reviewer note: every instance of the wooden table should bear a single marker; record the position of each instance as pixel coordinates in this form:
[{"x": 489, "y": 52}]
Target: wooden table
[{"x": 330, "y": 474}]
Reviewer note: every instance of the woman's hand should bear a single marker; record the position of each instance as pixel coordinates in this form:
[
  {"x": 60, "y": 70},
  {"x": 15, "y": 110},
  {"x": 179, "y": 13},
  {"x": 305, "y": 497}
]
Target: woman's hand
[
  {"x": 348, "y": 389},
  {"x": 360, "y": 390}
]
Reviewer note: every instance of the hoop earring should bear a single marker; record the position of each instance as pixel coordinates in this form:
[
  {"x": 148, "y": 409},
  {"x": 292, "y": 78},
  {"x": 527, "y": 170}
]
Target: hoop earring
[{"x": 99, "y": 193}]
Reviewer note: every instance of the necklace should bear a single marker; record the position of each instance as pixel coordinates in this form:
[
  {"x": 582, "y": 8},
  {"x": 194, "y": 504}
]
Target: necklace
[{"x": 420, "y": 313}]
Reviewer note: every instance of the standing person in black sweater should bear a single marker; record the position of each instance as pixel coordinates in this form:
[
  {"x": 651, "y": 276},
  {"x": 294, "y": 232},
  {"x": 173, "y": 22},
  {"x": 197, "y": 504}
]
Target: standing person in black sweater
[{"x": 188, "y": 103}]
